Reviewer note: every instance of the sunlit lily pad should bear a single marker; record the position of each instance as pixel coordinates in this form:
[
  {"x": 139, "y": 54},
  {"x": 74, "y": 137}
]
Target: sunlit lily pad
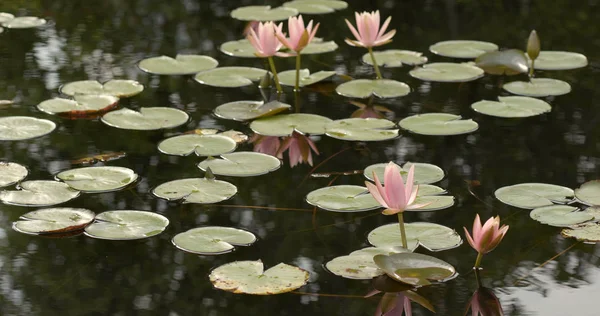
[
  {"x": 39, "y": 193},
  {"x": 263, "y": 13},
  {"x": 343, "y": 198},
  {"x": 202, "y": 145},
  {"x": 533, "y": 195},
  {"x": 512, "y": 107},
  {"x": 126, "y": 225},
  {"x": 5, "y": 17},
  {"x": 286, "y": 124},
  {"x": 462, "y": 49},
  {"x": 433, "y": 237},
  {"x": 11, "y": 173},
  {"x": 558, "y": 60},
  {"x": 319, "y": 46},
  {"x": 588, "y": 232},
  {"x": 436, "y": 202},
  {"x": 316, "y": 6},
  {"x": 414, "y": 268},
  {"x": 538, "y": 87},
  {"x": 213, "y": 240},
  {"x": 447, "y": 72},
  {"x": 81, "y": 105},
  {"x": 180, "y": 65},
  {"x": 24, "y": 22},
  {"x": 506, "y": 62},
  {"x": 288, "y": 78},
  {"x": 560, "y": 215},
  {"x": 362, "y": 129},
  {"x": 249, "y": 110},
  {"x": 54, "y": 220},
  {"x": 230, "y": 77},
  {"x": 589, "y": 193},
  {"x": 196, "y": 190},
  {"x": 24, "y": 127},
  {"x": 381, "y": 88},
  {"x": 424, "y": 173},
  {"x": 146, "y": 119},
  {"x": 118, "y": 88},
  {"x": 241, "y": 164},
  {"x": 98, "y": 179},
  {"x": 438, "y": 124},
  {"x": 395, "y": 58},
  {"x": 243, "y": 48},
  {"x": 249, "y": 277},
  {"x": 359, "y": 264}
]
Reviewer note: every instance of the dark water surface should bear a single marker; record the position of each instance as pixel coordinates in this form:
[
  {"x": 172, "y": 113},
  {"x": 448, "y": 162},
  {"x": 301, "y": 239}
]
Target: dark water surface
[{"x": 104, "y": 39}]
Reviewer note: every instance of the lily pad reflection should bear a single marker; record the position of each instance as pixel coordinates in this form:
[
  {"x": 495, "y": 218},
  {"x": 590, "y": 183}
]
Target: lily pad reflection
[
  {"x": 213, "y": 240},
  {"x": 126, "y": 225}
]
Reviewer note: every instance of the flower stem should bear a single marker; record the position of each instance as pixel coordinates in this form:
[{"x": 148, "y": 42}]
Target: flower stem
[
  {"x": 477, "y": 277},
  {"x": 531, "y": 69},
  {"x": 402, "y": 230},
  {"x": 297, "y": 88},
  {"x": 377, "y": 72},
  {"x": 275, "y": 77},
  {"x": 478, "y": 260}
]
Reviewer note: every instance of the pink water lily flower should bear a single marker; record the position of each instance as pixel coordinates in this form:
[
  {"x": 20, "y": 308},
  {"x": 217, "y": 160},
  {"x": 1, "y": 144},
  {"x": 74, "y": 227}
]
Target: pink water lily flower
[
  {"x": 300, "y": 149},
  {"x": 369, "y": 33},
  {"x": 300, "y": 36},
  {"x": 264, "y": 40},
  {"x": 485, "y": 238}
]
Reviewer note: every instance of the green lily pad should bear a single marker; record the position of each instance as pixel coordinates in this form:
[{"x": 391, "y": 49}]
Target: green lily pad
[
  {"x": 433, "y": 237},
  {"x": 24, "y": 127},
  {"x": 588, "y": 232},
  {"x": 241, "y": 164},
  {"x": 11, "y": 173},
  {"x": 447, "y": 72},
  {"x": 213, "y": 240},
  {"x": 5, "y": 17},
  {"x": 202, "y": 145},
  {"x": 316, "y": 6},
  {"x": 126, "y": 225},
  {"x": 39, "y": 193},
  {"x": 98, "y": 179},
  {"x": 196, "y": 190},
  {"x": 533, "y": 195},
  {"x": 436, "y": 202},
  {"x": 146, "y": 119},
  {"x": 512, "y": 107},
  {"x": 424, "y": 173},
  {"x": 180, "y": 65},
  {"x": 249, "y": 110},
  {"x": 343, "y": 198},
  {"x": 24, "y": 22},
  {"x": 589, "y": 193},
  {"x": 362, "y": 129},
  {"x": 538, "y": 87},
  {"x": 230, "y": 77},
  {"x": 263, "y": 13},
  {"x": 558, "y": 60},
  {"x": 392, "y": 58},
  {"x": 288, "y": 78},
  {"x": 54, "y": 220},
  {"x": 506, "y": 62},
  {"x": 249, "y": 277},
  {"x": 359, "y": 265},
  {"x": 381, "y": 88},
  {"x": 560, "y": 215},
  {"x": 319, "y": 46},
  {"x": 414, "y": 268},
  {"x": 115, "y": 87},
  {"x": 82, "y": 104},
  {"x": 462, "y": 49},
  {"x": 438, "y": 124},
  {"x": 243, "y": 48},
  {"x": 286, "y": 124}
]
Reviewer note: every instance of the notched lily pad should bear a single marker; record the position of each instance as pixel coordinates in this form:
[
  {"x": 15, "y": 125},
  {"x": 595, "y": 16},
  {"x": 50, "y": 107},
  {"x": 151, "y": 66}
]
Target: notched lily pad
[
  {"x": 392, "y": 58},
  {"x": 126, "y": 225},
  {"x": 588, "y": 232},
  {"x": 438, "y": 124},
  {"x": 213, "y": 240},
  {"x": 316, "y": 6},
  {"x": 589, "y": 193},
  {"x": 538, "y": 87},
  {"x": 288, "y": 78},
  {"x": 243, "y": 48},
  {"x": 249, "y": 110},
  {"x": 39, "y": 193},
  {"x": 54, "y": 220},
  {"x": 98, "y": 179},
  {"x": 432, "y": 237},
  {"x": 359, "y": 265},
  {"x": 202, "y": 145},
  {"x": 81, "y": 106},
  {"x": 263, "y": 13},
  {"x": 362, "y": 129},
  {"x": 558, "y": 60},
  {"x": 343, "y": 198},
  {"x": 146, "y": 119},
  {"x": 241, "y": 164},
  {"x": 447, "y": 72},
  {"x": 424, "y": 173},
  {"x": 462, "y": 48},
  {"x": 381, "y": 88},
  {"x": 533, "y": 195},
  {"x": 286, "y": 124},
  {"x": 180, "y": 65},
  {"x": 230, "y": 77},
  {"x": 22, "y": 22},
  {"x": 11, "y": 173},
  {"x": 116, "y": 87},
  {"x": 24, "y": 127},
  {"x": 560, "y": 215},
  {"x": 196, "y": 190},
  {"x": 512, "y": 107},
  {"x": 414, "y": 268}
]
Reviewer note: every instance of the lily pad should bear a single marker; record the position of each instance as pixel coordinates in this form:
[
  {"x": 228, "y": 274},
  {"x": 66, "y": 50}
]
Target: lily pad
[
  {"x": 98, "y": 179},
  {"x": 588, "y": 232},
  {"x": 424, "y": 173},
  {"x": 462, "y": 48},
  {"x": 11, "y": 173},
  {"x": 5, "y": 17},
  {"x": 126, "y": 225},
  {"x": 23, "y": 22},
  {"x": 438, "y": 124},
  {"x": 243, "y": 48},
  {"x": 263, "y": 13},
  {"x": 54, "y": 220},
  {"x": 433, "y": 237},
  {"x": 288, "y": 78},
  {"x": 359, "y": 265},
  {"x": 249, "y": 277},
  {"x": 180, "y": 65},
  {"x": 82, "y": 105},
  {"x": 414, "y": 268},
  {"x": 118, "y": 88},
  {"x": 146, "y": 119},
  {"x": 230, "y": 77},
  {"x": 512, "y": 107},
  {"x": 241, "y": 164},
  {"x": 286, "y": 124},
  {"x": 319, "y": 46},
  {"x": 343, "y": 198},
  {"x": 447, "y": 72},
  {"x": 202, "y": 145},
  {"x": 316, "y": 6},
  {"x": 39, "y": 193},
  {"x": 213, "y": 240},
  {"x": 435, "y": 202},
  {"x": 506, "y": 62},
  {"x": 538, "y": 87},
  {"x": 560, "y": 215},
  {"x": 589, "y": 193},
  {"x": 24, "y": 127},
  {"x": 533, "y": 195},
  {"x": 558, "y": 60},
  {"x": 362, "y": 129},
  {"x": 381, "y": 88},
  {"x": 196, "y": 190},
  {"x": 249, "y": 110},
  {"x": 392, "y": 58}
]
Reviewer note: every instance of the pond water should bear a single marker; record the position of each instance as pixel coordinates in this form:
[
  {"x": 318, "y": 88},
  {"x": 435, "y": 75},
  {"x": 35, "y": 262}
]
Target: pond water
[{"x": 85, "y": 276}]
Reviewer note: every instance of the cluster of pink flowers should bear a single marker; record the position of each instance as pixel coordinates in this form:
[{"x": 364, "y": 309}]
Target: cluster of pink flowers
[{"x": 300, "y": 147}]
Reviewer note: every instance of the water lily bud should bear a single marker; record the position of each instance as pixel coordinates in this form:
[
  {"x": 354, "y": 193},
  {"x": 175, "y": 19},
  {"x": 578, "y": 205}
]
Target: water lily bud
[{"x": 533, "y": 45}]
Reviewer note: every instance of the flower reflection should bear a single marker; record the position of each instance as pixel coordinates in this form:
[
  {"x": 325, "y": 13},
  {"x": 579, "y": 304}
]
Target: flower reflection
[
  {"x": 300, "y": 147},
  {"x": 394, "y": 304},
  {"x": 369, "y": 110},
  {"x": 485, "y": 303}
]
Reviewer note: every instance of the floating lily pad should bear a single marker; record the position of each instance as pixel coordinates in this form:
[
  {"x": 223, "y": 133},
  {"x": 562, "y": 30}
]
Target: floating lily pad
[
  {"x": 243, "y": 48},
  {"x": 589, "y": 193},
  {"x": 5, "y": 17},
  {"x": 319, "y": 46},
  {"x": 560, "y": 215},
  {"x": 54, "y": 220},
  {"x": 316, "y": 6},
  {"x": 202, "y": 145},
  {"x": 24, "y": 127},
  {"x": 533, "y": 195},
  {"x": 23, "y": 22},
  {"x": 414, "y": 268},
  {"x": 362, "y": 129},
  {"x": 249, "y": 110},
  {"x": 98, "y": 179},
  {"x": 381, "y": 88},
  {"x": 424, "y": 173},
  {"x": 11, "y": 173},
  {"x": 343, "y": 198},
  {"x": 557, "y": 60},
  {"x": 82, "y": 105},
  {"x": 512, "y": 107},
  {"x": 213, "y": 240},
  {"x": 462, "y": 49},
  {"x": 180, "y": 65},
  {"x": 249, "y": 277},
  {"x": 435, "y": 202},
  {"x": 359, "y": 265},
  {"x": 241, "y": 164},
  {"x": 117, "y": 88},
  {"x": 146, "y": 119},
  {"x": 588, "y": 232},
  {"x": 286, "y": 124},
  {"x": 438, "y": 124},
  {"x": 506, "y": 62},
  {"x": 395, "y": 58},
  {"x": 447, "y": 72},
  {"x": 432, "y": 237},
  {"x": 126, "y": 225},
  {"x": 230, "y": 77},
  {"x": 538, "y": 87},
  {"x": 39, "y": 193},
  {"x": 196, "y": 190},
  {"x": 288, "y": 78},
  {"x": 263, "y": 13}
]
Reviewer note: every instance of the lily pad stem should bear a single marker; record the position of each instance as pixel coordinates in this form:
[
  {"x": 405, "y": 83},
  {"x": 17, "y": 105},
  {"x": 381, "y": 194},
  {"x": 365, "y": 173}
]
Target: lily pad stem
[
  {"x": 402, "y": 230},
  {"x": 478, "y": 260},
  {"x": 297, "y": 87},
  {"x": 275, "y": 77},
  {"x": 377, "y": 72}
]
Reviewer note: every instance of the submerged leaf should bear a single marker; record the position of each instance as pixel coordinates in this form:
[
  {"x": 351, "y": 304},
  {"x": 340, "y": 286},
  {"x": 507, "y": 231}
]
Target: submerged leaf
[{"x": 99, "y": 158}]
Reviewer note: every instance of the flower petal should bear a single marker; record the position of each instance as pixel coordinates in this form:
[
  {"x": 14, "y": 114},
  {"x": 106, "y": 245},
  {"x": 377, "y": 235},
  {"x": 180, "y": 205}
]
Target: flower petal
[{"x": 375, "y": 193}]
